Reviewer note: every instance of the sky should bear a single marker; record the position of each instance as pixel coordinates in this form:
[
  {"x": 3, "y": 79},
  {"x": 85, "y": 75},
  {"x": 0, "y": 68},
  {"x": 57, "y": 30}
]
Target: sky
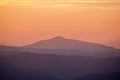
[{"x": 24, "y": 22}]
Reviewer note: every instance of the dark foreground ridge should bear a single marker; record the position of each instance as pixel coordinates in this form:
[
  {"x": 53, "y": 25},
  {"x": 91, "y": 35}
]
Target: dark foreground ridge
[{"x": 35, "y": 66}]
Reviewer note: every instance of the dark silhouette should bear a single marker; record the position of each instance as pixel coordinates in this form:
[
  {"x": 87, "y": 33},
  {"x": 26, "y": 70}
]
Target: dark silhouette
[
  {"x": 59, "y": 59},
  {"x": 112, "y": 76}
]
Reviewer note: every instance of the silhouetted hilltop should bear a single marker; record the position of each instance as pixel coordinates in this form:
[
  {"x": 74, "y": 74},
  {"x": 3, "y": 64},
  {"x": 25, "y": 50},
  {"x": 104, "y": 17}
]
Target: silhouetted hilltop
[
  {"x": 59, "y": 59},
  {"x": 63, "y": 46},
  {"x": 64, "y": 43}
]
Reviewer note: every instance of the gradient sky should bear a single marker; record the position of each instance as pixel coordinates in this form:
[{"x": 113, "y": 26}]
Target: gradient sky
[{"x": 25, "y": 21}]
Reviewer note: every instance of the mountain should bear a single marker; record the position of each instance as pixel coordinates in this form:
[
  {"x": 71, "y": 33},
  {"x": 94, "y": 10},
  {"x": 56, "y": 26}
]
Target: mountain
[
  {"x": 59, "y": 58},
  {"x": 69, "y": 44},
  {"x": 63, "y": 46}
]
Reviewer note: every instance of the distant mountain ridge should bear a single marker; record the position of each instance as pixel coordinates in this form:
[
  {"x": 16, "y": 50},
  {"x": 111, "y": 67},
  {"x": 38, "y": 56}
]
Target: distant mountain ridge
[
  {"x": 63, "y": 46},
  {"x": 64, "y": 43}
]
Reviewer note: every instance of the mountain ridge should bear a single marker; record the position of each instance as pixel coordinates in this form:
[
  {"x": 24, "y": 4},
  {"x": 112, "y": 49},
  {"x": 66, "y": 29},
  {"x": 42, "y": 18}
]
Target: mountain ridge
[{"x": 59, "y": 42}]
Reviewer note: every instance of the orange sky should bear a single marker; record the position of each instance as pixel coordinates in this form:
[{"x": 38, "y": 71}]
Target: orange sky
[{"x": 22, "y": 23}]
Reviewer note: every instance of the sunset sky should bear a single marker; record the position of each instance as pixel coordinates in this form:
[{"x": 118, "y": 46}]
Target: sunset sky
[{"x": 24, "y": 22}]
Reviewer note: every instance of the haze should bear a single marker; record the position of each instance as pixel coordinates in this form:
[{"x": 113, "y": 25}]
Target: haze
[{"x": 24, "y": 22}]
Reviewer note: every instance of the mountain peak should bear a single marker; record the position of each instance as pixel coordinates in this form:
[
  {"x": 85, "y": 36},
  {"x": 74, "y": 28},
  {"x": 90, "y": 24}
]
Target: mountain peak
[
  {"x": 58, "y": 37},
  {"x": 60, "y": 42}
]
